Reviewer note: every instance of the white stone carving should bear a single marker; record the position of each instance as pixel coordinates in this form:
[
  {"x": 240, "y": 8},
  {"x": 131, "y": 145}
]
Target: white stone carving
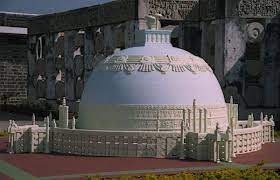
[{"x": 152, "y": 63}]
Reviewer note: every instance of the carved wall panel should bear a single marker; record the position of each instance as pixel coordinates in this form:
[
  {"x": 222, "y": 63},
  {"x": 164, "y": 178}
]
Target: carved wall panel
[
  {"x": 79, "y": 65},
  {"x": 59, "y": 46},
  {"x": 254, "y": 95},
  {"x": 79, "y": 39},
  {"x": 260, "y": 8},
  {"x": 41, "y": 88},
  {"x": 50, "y": 66},
  {"x": 173, "y": 9},
  {"x": 271, "y": 64},
  {"x": 119, "y": 36},
  {"x": 108, "y": 40},
  {"x": 69, "y": 45},
  {"x": 59, "y": 89},
  {"x": 41, "y": 66},
  {"x": 99, "y": 40},
  {"x": 31, "y": 55},
  {"x": 79, "y": 88},
  {"x": 59, "y": 62}
]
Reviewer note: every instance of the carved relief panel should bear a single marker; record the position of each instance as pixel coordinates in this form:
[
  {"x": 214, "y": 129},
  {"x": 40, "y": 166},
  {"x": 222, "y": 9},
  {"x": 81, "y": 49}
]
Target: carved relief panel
[
  {"x": 253, "y": 63},
  {"x": 260, "y": 8},
  {"x": 173, "y": 9}
]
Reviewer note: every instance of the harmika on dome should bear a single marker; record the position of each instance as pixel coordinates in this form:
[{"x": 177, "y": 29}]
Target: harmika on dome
[{"x": 151, "y": 100}]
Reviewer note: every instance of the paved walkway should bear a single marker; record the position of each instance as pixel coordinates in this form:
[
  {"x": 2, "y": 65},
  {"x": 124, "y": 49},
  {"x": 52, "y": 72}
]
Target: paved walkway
[{"x": 47, "y": 166}]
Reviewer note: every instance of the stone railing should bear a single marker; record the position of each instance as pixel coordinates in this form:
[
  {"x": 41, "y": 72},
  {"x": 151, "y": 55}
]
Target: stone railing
[
  {"x": 28, "y": 138},
  {"x": 180, "y": 143},
  {"x": 114, "y": 143},
  {"x": 215, "y": 146},
  {"x": 249, "y": 138}
]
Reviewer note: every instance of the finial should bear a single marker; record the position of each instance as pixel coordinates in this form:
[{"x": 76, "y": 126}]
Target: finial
[
  {"x": 271, "y": 118},
  {"x": 54, "y": 123},
  {"x": 33, "y": 119},
  {"x": 217, "y": 127},
  {"x": 10, "y": 123},
  {"x": 98, "y": 31},
  {"x": 217, "y": 131},
  {"x": 47, "y": 121},
  {"x": 228, "y": 130},
  {"x": 14, "y": 124},
  {"x": 64, "y": 101},
  {"x": 231, "y": 100},
  {"x": 58, "y": 76},
  {"x": 266, "y": 118},
  {"x": 261, "y": 116},
  {"x": 50, "y": 116},
  {"x": 194, "y": 102},
  {"x": 73, "y": 123}
]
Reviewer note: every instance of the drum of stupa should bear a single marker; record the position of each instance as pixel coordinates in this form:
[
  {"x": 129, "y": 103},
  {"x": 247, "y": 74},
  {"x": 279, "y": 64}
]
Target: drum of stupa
[{"x": 133, "y": 88}]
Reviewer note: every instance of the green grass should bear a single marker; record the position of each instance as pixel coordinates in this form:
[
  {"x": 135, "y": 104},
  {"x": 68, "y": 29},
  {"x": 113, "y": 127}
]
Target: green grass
[
  {"x": 3, "y": 133},
  {"x": 253, "y": 173},
  {"x": 277, "y": 134}
]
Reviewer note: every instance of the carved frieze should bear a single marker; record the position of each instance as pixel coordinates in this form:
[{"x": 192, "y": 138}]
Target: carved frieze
[
  {"x": 260, "y": 8},
  {"x": 162, "y": 64},
  {"x": 172, "y": 9}
]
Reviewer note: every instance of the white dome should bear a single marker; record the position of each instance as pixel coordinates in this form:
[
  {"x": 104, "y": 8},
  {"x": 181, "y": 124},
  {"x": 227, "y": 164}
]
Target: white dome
[{"x": 154, "y": 74}]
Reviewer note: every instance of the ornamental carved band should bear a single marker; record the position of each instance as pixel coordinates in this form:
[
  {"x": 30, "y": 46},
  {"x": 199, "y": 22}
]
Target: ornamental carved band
[
  {"x": 259, "y": 8},
  {"x": 162, "y": 64},
  {"x": 172, "y": 9}
]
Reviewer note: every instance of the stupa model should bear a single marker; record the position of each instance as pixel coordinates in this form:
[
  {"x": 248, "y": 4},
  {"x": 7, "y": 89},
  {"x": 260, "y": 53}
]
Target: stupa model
[{"x": 151, "y": 100}]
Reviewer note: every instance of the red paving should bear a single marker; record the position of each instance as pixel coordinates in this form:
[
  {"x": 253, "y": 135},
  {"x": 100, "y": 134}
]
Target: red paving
[
  {"x": 54, "y": 165},
  {"x": 57, "y": 165},
  {"x": 268, "y": 154}
]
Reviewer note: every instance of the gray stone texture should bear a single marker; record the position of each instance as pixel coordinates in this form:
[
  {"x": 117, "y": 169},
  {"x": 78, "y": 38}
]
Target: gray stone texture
[{"x": 13, "y": 69}]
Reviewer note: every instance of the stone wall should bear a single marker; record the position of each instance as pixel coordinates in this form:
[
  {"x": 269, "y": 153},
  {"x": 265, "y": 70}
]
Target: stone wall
[
  {"x": 239, "y": 39},
  {"x": 65, "y": 47},
  {"x": 13, "y": 69}
]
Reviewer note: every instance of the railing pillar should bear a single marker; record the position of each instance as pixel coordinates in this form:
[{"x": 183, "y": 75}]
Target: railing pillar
[
  {"x": 182, "y": 149},
  {"x": 200, "y": 120},
  {"x": 47, "y": 140},
  {"x": 63, "y": 114},
  {"x": 194, "y": 109},
  {"x": 205, "y": 120},
  {"x": 158, "y": 122}
]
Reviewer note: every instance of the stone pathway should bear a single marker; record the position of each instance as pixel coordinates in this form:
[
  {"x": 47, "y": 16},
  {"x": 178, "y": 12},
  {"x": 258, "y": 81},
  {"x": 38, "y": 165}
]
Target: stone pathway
[{"x": 13, "y": 172}]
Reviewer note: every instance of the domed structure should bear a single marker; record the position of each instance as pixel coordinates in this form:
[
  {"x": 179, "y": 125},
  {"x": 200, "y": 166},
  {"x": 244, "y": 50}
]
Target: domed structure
[
  {"x": 132, "y": 88},
  {"x": 151, "y": 100}
]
